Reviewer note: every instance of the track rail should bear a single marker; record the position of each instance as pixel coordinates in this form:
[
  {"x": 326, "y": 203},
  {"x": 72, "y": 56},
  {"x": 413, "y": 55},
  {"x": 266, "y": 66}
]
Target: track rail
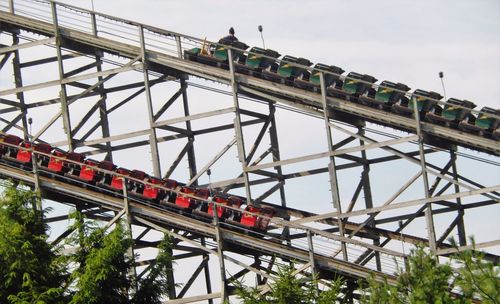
[
  {"x": 255, "y": 87},
  {"x": 61, "y": 191}
]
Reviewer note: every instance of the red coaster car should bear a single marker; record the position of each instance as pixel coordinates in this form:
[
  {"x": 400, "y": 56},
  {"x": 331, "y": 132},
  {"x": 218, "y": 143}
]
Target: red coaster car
[
  {"x": 136, "y": 182},
  {"x": 117, "y": 179},
  {"x": 169, "y": 196},
  {"x": 25, "y": 155},
  {"x": 187, "y": 202},
  {"x": 152, "y": 190},
  {"x": 10, "y": 149},
  {"x": 258, "y": 219},
  {"x": 222, "y": 212},
  {"x": 89, "y": 171},
  {"x": 73, "y": 164},
  {"x": 56, "y": 161}
]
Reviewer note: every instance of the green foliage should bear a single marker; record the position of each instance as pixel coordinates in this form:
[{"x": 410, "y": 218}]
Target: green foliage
[
  {"x": 425, "y": 280},
  {"x": 156, "y": 283},
  {"x": 477, "y": 277},
  {"x": 288, "y": 288},
  {"x": 249, "y": 295},
  {"x": 331, "y": 295},
  {"x": 102, "y": 275},
  {"x": 104, "y": 264},
  {"x": 30, "y": 271}
]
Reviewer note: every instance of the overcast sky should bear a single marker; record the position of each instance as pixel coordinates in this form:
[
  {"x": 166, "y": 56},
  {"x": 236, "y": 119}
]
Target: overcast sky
[{"x": 398, "y": 40}]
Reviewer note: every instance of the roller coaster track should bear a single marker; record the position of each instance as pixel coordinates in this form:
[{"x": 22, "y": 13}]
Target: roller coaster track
[
  {"x": 249, "y": 85},
  {"x": 171, "y": 220},
  {"x": 347, "y": 241}
]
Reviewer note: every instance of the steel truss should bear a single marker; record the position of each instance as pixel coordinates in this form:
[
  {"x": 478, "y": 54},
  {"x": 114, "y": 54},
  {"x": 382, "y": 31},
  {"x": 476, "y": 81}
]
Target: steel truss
[{"x": 108, "y": 68}]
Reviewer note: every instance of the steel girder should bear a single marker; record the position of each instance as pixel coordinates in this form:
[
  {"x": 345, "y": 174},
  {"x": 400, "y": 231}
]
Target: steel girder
[{"x": 369, "y": 221}]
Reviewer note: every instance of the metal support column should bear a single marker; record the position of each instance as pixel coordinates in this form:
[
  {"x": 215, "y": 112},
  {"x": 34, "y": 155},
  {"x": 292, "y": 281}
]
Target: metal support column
[
  {"x": 220, "y": 253},
  {"x": 190, "y": 147},
  {"x": 153, "y": 141},
  {"x": 334, "y": 188},
  {"x": 62, "y": 94},
  {"x": 428, "y": 211},
  {"x": 172, "y": 294},
  {"x": 275, "y": 150},
  {"x": 238, "y": 128},
  {"x": 130, "y": 251},
  {"x": 273, "y": 134},
  {"x": 367, "y": 190},
  {"x": 314, "y": 275},
  {"x": 103, "y": 112},
  {"x": 18, "y": 80},
  {"x": 462, "y": 237},
  {"x": 34, "y": 162},
  {"x": 206, "y": 269},
  {"x": 256, "y": 263},
  {"x": 193, "y": 171}
]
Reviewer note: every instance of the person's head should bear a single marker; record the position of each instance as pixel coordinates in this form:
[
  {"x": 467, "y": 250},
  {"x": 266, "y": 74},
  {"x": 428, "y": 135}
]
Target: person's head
[{"x": 231, "y": 31}]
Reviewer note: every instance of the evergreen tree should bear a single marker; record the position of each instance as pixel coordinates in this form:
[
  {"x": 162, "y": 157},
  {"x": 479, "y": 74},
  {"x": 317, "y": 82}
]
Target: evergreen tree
[
  {"x": 30, "y": 270},
  {"x": 103, "y": 272},
  {"x": 477, "y": 277},
  {"x": 287, "y": 288},
  {"x": 156, "y": 284},
  {"x": 102, "y": 275},
  {"x": 425, "y": 280}
]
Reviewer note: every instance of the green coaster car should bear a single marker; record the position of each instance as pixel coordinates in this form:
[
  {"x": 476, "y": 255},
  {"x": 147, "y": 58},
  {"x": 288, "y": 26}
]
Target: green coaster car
[
  {"x": 487, "y": 122},
  {"x": 258, "y": 60},
  {"x": 216, "y": 54},
  {"x": 287, "y": 70},
  {"x": 311, "y": 81},
  {"x": 424, "y": 101},
  {"x": 387, "y": 94},
  {"x": 452, "y": 112},
  {"x": 354, "y": 86}
]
